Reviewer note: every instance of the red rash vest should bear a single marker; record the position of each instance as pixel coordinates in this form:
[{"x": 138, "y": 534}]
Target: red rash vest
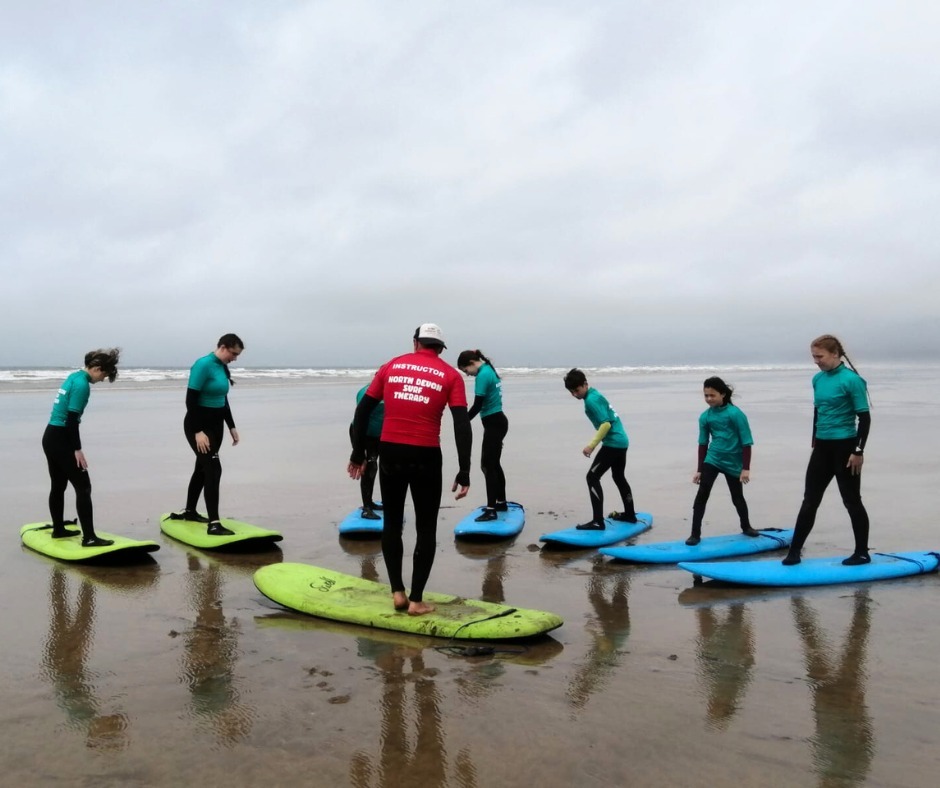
[{"x": 416, "y": 388}]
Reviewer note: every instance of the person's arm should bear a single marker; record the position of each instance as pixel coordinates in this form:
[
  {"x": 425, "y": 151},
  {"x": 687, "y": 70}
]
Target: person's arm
[
  {"x": 476, "y": 407},
  {"x": 360, "y": 425},
  {"x": 702, "y": 451},
  {"x": 598, "y": 437},
  {"x": 193, "y": 411},
  {"x": 463, "y": 436},
  {"x": 864, "y": 425},
  {"x": 72, "y": 420},
  {"x": 815, "y": 419}
]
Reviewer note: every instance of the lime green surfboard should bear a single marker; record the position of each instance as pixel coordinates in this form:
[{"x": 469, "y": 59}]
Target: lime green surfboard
[
  {"x": 38, "y": 537},
  {"x": 341, "y": 597},
  {"x": 194, "y": 534}
]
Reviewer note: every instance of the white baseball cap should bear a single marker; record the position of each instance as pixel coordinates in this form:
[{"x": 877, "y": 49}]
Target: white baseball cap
[{"x": 430, "y": 334}]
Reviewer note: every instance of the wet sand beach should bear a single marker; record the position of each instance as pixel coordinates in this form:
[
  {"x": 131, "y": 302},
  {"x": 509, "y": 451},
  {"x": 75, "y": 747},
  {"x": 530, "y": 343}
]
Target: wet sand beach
[{"x": 176, "y": 671}]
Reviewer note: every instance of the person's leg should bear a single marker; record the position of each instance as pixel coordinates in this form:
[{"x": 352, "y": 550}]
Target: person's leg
[
  {"x": 426, "y": 485},
  {"x": 58, "y": 455},
  {"x": 819, "y": 472},
  {"x": 210, "y": 468},
  {"x": 599, "y": 466},
  {"x": 736, "y": 488},
  {"x": 367, "y": 481},
  {"x": 393, "y": 483},
  {"x": 618, "y": 465},
  {"x": 706, "y": 482},
  {"x": 850, "y": 487}
]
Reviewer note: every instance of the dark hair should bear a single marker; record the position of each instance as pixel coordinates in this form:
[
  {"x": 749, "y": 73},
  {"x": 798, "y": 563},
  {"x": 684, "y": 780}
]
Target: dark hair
[
  {"x": 466, "y": 356},
  {"x": 575, "y": 379},
  {"x": 721, "y": 387},
  {"x": 231, "y": 341},
  {"x": 105, "y": 359},
  {"x": 832, "y": 344}
]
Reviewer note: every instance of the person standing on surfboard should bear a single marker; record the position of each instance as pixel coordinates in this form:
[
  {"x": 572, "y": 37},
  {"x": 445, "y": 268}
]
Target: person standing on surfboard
[
  {"x": 488, "y": 402},
  {"x": 415, "y": 388},
  {"x": 724, "y": 447},
  {"x": 207, "y": 414},
  {"x": 613, "y": 454},
  {"x": 371, "y": 447},
  {"x": 62, "y": 445},
  {"x": 841, "y": 422}
]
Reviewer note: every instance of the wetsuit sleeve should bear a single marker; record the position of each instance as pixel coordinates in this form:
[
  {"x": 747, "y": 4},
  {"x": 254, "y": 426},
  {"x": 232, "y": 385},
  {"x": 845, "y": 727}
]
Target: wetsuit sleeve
[
  {"x": 476, "y": 407},
  {"x": 599, "y": 435},
  {"x": 702, "y": 451},
  {"x": 746, "y": 458},
  {"x": 193, "y": 411},
  {"x": 360, "y": 426},
  {"x": 463, "y": 435},
  {"x": 864, "y": 425},
  {"x": 815, "y": 419},
  {"x": 72, "y": 420},
  {"x": 227, "y": 415}
]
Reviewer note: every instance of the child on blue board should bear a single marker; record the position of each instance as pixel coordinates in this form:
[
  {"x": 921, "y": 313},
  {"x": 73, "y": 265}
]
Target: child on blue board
[
  {"x": 724, "y": 447},
  {"x": 613, "y": 440},
  {"x": 371, "y": 447},
  {"x": 488, "y": 402}
]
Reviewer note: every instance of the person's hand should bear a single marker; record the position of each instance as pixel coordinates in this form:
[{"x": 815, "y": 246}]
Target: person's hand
[
  {"x": 202, "y": 443},
  {"x": 234, "y": 433},
  {"x": 745, "y": 477},
  {"x": 80, "y": 460},
  {"x": 855, "y": 464},
  {"x": 464, "y": 489},
  {"x": 587, "y": 451},
  {"x": 696, "y": 477},
  {"x": 355, "y": 470}
]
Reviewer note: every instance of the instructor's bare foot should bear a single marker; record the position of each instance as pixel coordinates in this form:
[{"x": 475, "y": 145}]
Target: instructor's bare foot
[
  {"x": 419, "y": 608},
  {"x": 399, "y": 600}
]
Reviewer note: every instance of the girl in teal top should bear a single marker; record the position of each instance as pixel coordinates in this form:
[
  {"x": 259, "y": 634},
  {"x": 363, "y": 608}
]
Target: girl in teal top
[
  {"x": 62, "y": 445},
  {"x": 488, "y": 402},
  {"x": 841, "y": 421},
  {"x": 724, "y": 447}
]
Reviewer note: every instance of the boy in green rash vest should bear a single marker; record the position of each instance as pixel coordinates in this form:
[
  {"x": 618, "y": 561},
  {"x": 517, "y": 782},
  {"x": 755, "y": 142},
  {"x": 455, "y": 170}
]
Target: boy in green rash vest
[
  {"x": 371, "y": 446},
  {"x": 62, "y": 445},
  {"x": 612, "y": 456}
]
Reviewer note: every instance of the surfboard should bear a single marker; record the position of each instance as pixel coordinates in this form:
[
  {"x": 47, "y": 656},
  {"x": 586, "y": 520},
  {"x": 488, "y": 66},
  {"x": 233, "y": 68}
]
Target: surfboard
[
  {"x": 353, "y": 524},
  {"x": 341, "y": 597},
  {"x": 194, "y": 534},
  {"x": 506, "y": 524},
  {"x": 38, "y": 537},
  {"x": 711, "y": 547},
  {"x": 614, "y": 532},
  {"x": 816, "y": 571}
]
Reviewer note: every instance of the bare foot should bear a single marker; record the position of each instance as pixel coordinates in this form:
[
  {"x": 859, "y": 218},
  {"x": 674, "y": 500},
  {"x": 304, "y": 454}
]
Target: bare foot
[
  {"x": 399, "y": 600},
  {"x": 419, "y": 608}
]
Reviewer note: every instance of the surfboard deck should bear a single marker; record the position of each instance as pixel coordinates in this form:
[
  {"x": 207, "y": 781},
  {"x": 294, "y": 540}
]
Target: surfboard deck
[
  {"x": 38, "y": 537},
  {"x": 506, "y": 524},
  {"x": 816, "y": 571},
  {"x": 711, "y": 547},
  {"x": 340, "y": 597},
  {"x": 613, "y": 533},
  {"x": 353, "y": 524},
  {"x": 194, "y": 534}
]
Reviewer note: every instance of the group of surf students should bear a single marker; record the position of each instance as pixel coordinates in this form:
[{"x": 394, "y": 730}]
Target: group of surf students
[{"x": 395, "y": 435}]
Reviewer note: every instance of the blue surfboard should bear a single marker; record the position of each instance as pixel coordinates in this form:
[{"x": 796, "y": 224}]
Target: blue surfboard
[
  {"x": 816, "y": 571},
  {"x": 354, "y": 524},
  {"x": 506, "y": 524},
  {"x": 614, "y": 532},
  {"x": 711, "y": 547}
]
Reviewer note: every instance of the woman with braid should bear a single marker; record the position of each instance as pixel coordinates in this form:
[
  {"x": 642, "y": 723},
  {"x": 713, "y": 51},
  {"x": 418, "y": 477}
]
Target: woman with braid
[
  {"x": 207, "y": 414},
  {"x": 488, "y": 402},
  {"x": 841, "y": 421},
  {"x": 62, "y": 445}
]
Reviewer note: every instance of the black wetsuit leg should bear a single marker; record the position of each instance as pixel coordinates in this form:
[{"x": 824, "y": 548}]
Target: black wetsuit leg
[
  {"x": 614, "y": 460},
  {"x": 419, "y": 468},
  {"x": 825, "y": 463},
  {"x": 63, "y": 470},
  {"x": 207, "y": 472},
  {"x": 367, "y": 482},
  {"x": 495, "y": 427},
  {"x": 706, "y": 482},
  {"x": 736, "y": 488}
]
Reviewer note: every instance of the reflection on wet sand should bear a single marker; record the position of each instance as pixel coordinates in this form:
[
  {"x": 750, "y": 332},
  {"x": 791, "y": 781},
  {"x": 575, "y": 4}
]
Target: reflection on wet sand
[
  {"x": 496, "y": 570},
  {"x": 724, "y": 652},
  {"x": 64, "y": 664},
  {"x": 843, "y": 745},
  {"x": 210, "y": 654},
  {"x": 609, "y": 629}
]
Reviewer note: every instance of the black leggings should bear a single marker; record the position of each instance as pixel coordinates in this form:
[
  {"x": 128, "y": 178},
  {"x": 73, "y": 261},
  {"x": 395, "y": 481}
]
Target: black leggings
[
  {"x": 367, "y": 480},
  {"x": 614, "y": 460},
  {"x": 418, "y": 467},
  {"x": 207, "y": 473},
  {"x": 60, "y": 457},
  {"x": 735, "y": 487},
  {"x": 828, "y": 461},
  {"x": 495, "y": 427}
]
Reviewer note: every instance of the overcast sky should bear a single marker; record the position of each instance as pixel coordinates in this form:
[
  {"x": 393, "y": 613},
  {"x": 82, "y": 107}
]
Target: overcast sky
[{"x": 557, "y": 183}]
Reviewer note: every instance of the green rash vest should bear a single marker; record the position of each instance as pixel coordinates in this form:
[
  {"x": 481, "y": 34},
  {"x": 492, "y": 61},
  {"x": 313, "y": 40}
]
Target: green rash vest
[
  {"x": 839, "y": 395},
  {"x": 374, "y": 428},
  {"x": 208, "y": 377},
  {"x": 73, "y": 396},
  {"x": 490, "y": 387},
  {"x": 726, "y": 432},
  {"x": 598, "y": 410}
]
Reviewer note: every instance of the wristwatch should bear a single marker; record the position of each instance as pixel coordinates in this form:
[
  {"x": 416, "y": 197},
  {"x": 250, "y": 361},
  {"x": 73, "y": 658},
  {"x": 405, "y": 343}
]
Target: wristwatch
[{"x": 859, "y": 451}]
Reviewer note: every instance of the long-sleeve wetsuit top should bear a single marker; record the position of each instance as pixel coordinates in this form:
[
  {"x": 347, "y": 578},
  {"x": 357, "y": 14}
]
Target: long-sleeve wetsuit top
[
  {"x": 488, "y": 393},
  {"x": 841, "y": 397},
  {"x": 598, "y": 410},
  {"x": 207, "y": 393},
  {"x": 69, "y": 405},
  {"x": 725, "y": 431}
]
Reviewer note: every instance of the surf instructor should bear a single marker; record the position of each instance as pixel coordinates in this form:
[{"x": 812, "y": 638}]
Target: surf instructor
[{"x": 415, "y": 388}]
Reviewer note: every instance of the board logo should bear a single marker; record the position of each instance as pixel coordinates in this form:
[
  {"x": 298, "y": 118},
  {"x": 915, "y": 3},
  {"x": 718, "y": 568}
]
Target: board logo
[{"x": 325, "y": 584}]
